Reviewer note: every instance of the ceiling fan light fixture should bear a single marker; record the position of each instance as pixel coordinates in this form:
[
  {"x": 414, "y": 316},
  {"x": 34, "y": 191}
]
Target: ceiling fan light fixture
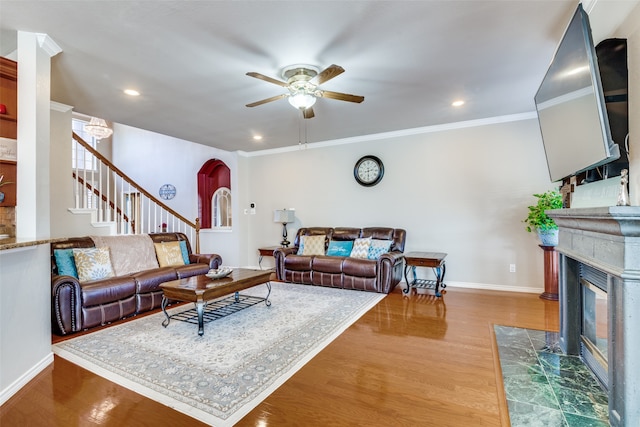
[{"x": 302, "y": 100}]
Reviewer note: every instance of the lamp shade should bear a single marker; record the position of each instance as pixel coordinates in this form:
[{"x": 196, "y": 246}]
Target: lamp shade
[
  {"x": 284, "y": 216},
  {"x": 302, "y": 100}
]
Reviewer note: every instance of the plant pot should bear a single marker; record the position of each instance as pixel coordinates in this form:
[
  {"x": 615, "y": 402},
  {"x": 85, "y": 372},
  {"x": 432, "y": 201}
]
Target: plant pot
[{"x": 548, "y": 237}]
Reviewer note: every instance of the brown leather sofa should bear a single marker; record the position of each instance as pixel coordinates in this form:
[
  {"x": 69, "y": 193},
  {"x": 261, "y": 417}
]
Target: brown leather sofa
[
  {"x": 376, "y": 275},
  {"x": 77, "y": 306}
]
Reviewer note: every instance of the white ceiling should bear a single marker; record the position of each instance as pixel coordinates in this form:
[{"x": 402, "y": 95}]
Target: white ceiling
[{"x": 409, "y": 59}]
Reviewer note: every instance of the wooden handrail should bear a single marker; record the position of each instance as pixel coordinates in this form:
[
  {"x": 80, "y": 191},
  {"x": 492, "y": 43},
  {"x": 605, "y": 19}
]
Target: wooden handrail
[{"x": 93, "y": 151}]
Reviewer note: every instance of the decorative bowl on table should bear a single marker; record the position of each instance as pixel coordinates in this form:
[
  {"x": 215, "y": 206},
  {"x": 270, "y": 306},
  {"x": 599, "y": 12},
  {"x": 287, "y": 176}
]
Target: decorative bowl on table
[{"x": 219, "y": 273}]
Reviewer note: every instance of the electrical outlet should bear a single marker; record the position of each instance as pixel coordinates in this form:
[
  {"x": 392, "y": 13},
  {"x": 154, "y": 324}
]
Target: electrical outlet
[{"x": 512, "y": 268}]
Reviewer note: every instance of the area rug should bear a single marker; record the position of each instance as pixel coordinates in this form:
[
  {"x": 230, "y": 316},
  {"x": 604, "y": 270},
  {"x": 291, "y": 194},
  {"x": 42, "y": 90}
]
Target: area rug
[{"x": 242, "y": 358}]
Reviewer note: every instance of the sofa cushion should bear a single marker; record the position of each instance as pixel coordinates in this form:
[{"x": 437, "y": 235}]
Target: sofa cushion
[
  {"x": 191, "y": 270},
  {"x": 65, "y": 262},
  {"x": 150, "y": 280},
  {"x": 313, "y": 245},
  {"x": 169, "y": 254},
  {"x": 129, "y": 253},
  {"x": 93, "y": 263},
  {"x": 185, "y": 251},
  {"x": 359, "y": 267},
  {"x": 340, "y": 248},
  {"x": 327, "y": 264},
  {"x": 107, "y": 290},
  {"x": 361, "y": 248},
  {"x": 298, "y": 262},
  {"x": 378, "y": 247}
]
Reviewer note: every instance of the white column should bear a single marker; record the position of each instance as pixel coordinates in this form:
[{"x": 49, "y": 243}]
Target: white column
[{"x": 34, "y": 94}]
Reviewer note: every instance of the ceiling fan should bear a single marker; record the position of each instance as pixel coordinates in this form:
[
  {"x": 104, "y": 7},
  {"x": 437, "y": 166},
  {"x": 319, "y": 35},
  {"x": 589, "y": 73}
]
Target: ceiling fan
[{"x": 302, "y": 81}]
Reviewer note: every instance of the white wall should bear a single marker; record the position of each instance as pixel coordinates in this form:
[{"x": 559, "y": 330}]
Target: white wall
[
  {"x": 464, "y": 192},
  {"x": 153, "y": 159}
]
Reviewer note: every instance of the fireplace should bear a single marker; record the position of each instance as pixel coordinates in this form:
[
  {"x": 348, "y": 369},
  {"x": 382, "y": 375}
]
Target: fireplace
[{"x": 599, "y": 296}]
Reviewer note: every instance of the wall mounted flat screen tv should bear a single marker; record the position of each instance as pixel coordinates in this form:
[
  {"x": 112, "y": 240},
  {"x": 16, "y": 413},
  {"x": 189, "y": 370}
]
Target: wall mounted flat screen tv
[{"x": 571, "y": 106}]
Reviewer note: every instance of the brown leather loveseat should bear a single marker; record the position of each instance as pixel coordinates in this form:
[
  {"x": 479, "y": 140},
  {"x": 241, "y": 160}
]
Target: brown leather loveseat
[
  {"x": 133, "y": 286},
  {"x": 378, "y": 273}
]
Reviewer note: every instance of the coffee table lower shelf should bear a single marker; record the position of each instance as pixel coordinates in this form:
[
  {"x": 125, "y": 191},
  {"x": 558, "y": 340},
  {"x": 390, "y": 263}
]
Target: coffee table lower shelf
[{"x": 213, "y": 310}]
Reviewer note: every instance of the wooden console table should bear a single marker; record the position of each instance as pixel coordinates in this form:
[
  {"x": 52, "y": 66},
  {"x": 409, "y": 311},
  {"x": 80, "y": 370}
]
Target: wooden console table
[{"x": 550, "y": 273}]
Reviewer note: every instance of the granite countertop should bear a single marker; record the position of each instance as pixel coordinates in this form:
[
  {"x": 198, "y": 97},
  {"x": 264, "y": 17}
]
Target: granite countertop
[{"x": 14, "y": 242}]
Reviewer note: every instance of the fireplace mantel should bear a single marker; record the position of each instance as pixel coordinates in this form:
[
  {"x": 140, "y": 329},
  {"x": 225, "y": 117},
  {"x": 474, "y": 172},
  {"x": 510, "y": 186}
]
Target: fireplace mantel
[{"x": 608, "y": 240}]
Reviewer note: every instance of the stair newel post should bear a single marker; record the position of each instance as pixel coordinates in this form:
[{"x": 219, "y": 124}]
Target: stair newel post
[{"x": 197, "y": 235}]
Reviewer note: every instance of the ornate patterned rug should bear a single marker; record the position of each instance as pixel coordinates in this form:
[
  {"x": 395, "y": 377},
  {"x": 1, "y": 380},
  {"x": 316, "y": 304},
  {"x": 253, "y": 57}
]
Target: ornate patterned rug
[{"x": 241, "y": 359}]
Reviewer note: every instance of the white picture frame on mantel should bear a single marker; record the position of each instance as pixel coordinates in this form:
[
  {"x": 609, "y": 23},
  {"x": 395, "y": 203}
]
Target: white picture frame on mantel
[{"x": 8, "y": 149}]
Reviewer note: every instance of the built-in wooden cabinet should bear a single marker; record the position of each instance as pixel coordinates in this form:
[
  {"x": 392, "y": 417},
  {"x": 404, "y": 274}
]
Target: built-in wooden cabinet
[{"x": 8, "y": 98}]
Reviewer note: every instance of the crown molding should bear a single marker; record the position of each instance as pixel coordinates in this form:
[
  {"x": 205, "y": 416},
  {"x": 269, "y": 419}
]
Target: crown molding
[
  {"x": 57, "y": 106},
  {"x": 48, "y": 45},
  {"x": 396, "y": 134}
]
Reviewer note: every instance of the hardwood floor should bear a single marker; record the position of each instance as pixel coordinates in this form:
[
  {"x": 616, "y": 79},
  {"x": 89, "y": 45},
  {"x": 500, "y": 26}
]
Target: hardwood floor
[{"x": 409, "y": 361}]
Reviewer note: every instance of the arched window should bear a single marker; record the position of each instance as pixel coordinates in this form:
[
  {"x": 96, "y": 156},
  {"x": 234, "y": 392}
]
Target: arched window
[
  {"x": 214, "y": 195},
  {"x": 221, "y": 203}
]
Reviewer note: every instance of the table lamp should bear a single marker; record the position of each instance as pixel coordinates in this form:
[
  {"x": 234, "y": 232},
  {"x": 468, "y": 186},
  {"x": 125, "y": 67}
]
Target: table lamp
[{"x": 284, "y": 217}]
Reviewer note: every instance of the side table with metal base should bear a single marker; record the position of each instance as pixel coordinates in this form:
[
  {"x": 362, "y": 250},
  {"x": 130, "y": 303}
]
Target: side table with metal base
[
  {"x": 435, "y": 260},
  {"x": 266, "y": 251}
]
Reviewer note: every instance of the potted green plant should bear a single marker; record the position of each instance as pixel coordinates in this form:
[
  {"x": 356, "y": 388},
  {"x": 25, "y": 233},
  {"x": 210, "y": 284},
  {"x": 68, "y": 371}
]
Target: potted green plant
[{"x": 542, "y": 223}]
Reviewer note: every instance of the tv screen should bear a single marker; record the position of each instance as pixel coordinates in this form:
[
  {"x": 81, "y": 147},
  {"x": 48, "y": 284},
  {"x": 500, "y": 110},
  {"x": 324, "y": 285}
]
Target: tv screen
[{"x": 571, "y": 106}]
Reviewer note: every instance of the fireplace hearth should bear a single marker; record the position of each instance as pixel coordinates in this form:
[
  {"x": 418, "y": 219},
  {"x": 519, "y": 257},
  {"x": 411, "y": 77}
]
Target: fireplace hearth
[{"x": 599, "y": 296}]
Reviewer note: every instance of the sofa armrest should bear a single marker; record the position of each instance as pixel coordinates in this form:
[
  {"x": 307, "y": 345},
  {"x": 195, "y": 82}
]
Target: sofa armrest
[
  {"x": 213, "y": 260},
  {"x": 279, "y": 255},
  {"x": 66, "y": 305},
  {"x": 390, "y": 271}
]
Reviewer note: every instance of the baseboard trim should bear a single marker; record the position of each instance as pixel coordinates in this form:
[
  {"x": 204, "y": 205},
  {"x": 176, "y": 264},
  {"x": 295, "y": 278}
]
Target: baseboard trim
[
  {"x": 492, "y": 287},
  {"x": 14, "y": 387}
]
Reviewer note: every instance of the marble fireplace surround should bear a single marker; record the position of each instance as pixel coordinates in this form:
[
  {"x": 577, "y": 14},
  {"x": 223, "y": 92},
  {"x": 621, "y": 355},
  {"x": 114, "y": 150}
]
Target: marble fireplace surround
[{"x": 608, "y": 240}]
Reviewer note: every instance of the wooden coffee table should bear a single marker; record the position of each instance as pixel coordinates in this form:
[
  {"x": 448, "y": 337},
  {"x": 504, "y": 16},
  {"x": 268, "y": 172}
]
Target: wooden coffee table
[{"x": 201, "y": 290}]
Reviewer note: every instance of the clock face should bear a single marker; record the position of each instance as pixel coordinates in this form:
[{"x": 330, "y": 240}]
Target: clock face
[
  {"x": 167, "y": 192},
  {"x": 368, "y": 171}
]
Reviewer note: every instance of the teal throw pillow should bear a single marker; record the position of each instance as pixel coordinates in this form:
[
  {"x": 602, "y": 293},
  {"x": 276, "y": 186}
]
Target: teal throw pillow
[
  {"x": 65, "y": 262},
  {"x": 185, "y": 253},
  {"x": 378, "y": 247},
  {"x": 340, "y": 248}
]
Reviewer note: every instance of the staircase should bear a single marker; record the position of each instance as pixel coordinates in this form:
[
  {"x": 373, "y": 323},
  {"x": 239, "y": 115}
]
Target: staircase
[{"x": 114, "y": 200}]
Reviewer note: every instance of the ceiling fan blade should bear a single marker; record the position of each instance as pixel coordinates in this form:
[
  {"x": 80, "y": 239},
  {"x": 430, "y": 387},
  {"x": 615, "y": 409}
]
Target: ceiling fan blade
[
  {"x": 308, "y": 113},
  {"x": 264, "y": 101},
  {"x": 328, "y": 73},
  {"x": 267, "y": 79},
  {"x": 342, "y": 96}
]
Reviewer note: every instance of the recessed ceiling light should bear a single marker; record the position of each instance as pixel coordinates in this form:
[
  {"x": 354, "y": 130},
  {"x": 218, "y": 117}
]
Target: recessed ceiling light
[
  {"x": 131, "y": 92},
  {"x": 458, "y": 103},
  {"x": 257, "y": 137}
]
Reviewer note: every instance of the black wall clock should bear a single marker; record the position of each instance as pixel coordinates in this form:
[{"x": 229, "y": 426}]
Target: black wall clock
[
  {"x": 167, "y": 192},
  {"x": 368, "y": 171}
]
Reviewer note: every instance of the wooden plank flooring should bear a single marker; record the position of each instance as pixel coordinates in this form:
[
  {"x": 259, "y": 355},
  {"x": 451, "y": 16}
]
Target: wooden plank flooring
[{"x": 410, "y": 361}]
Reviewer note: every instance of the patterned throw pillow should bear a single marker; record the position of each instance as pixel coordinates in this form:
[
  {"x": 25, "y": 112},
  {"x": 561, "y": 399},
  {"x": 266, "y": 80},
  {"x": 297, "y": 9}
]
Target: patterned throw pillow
[
  {"x": 169, "y": 254},
  {"x": 185, "y": 252},
  {"x": 361, "y": 248},
  {"x": 313, "y": 245},
  {"x": 65, "y": 262},
  {"x": 93, "y": 263},
  {"x": 378, "y": 247},
  {"x": 340, "y": 248}
]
